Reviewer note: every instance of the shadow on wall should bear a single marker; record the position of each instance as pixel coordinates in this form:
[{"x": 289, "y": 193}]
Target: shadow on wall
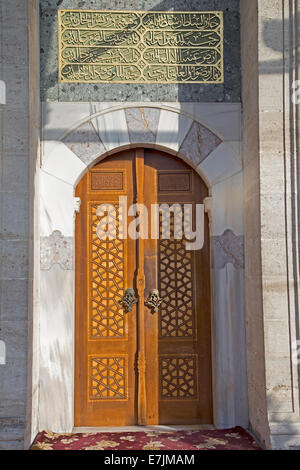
[{"x": 273, "y": 32}]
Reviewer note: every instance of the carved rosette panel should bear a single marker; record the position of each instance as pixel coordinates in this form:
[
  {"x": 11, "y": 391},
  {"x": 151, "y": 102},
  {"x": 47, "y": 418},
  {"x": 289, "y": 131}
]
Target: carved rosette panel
[
  {"x": 107, "y": 379},
  {"x": 56, "y": 249},
  {"x": 228, "y": 248},
  {"x": 140, "y": 46},
  {"x": 106, "y": 268},
  {"x": 178, "y": 377},
  {"x": 176, "y": 315}
]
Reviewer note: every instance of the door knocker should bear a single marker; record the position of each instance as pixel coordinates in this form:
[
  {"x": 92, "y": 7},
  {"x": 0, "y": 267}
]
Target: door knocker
[
  {"x": 154, "y": 301},
  {"x": 128, "y": 300}
]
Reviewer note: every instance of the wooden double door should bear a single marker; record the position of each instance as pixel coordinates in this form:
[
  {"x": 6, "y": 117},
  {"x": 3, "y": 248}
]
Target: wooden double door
[{"x": 140, "y": 365}]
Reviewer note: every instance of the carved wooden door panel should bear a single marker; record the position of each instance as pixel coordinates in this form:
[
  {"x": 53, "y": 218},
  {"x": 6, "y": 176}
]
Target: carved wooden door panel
[
  {"x": 141, "y": 367},
  {"x": 105, "y": 380},
  {"x": 182, "y": 327}
]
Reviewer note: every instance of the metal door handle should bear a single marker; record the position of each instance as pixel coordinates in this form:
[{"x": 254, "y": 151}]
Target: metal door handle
[
  {"x": 128, "y": 300},
  {"x": 153, "y": 301}
]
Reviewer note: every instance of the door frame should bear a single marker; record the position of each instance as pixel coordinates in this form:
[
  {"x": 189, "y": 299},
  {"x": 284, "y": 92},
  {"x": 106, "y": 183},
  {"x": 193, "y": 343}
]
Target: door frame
[
  {"x": 219, "y": 167},
  {"x": 207, "y": 206}
]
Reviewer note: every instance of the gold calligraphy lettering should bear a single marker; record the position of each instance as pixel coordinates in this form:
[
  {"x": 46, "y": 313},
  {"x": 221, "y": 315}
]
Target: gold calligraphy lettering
[{"x": 140, "y": 47}]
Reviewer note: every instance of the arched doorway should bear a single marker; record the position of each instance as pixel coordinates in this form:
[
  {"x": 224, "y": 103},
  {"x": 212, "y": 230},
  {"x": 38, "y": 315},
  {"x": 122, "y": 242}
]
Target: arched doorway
[{"x": 137, "y": 363}]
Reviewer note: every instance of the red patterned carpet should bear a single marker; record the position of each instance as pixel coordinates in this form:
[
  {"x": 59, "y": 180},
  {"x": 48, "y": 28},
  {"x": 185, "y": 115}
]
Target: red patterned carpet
[{"x": 230, "y": 439}]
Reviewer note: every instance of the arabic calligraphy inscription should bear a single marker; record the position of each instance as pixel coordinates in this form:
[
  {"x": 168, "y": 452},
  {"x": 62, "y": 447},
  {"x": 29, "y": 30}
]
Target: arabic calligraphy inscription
[{"x": 140, "y": 47}]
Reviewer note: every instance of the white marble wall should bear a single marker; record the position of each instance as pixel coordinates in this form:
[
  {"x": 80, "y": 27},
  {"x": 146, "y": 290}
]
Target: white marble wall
[
  {"x": 207, "y": 136},
  {"x": 56, "y": 349},
  {"x": 280, "y": 216},
  {"x": 57, "y": 217},
  {"x": 270, "y": 35}
]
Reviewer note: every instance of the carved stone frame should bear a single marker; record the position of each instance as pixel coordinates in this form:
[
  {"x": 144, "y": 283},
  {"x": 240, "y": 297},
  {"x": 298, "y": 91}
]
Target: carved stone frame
[{"x": 64, "y": 161}]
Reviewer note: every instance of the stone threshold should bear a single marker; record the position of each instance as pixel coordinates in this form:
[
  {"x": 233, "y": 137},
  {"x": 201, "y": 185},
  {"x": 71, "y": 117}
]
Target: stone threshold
[{"x": 161, "y": 428}]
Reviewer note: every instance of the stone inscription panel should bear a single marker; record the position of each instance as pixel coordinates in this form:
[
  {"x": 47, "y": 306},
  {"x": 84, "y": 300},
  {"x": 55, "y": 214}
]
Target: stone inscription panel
[{"x": 140, "y": 47}]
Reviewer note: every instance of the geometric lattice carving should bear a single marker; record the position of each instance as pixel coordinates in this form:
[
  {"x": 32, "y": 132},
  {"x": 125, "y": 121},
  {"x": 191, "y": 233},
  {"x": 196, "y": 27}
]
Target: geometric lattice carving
[
  {"x": 103, "y": 180},
  {"x": 176, "y": 317},
  {"x": 107, "y": 378},
  {"x": 106, "y": 280},
  {"x": 178, "y": 377}
]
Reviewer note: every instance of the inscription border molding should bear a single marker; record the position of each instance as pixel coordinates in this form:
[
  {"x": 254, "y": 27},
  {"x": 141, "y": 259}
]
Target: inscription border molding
[{"x": 214, "y": 71}]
